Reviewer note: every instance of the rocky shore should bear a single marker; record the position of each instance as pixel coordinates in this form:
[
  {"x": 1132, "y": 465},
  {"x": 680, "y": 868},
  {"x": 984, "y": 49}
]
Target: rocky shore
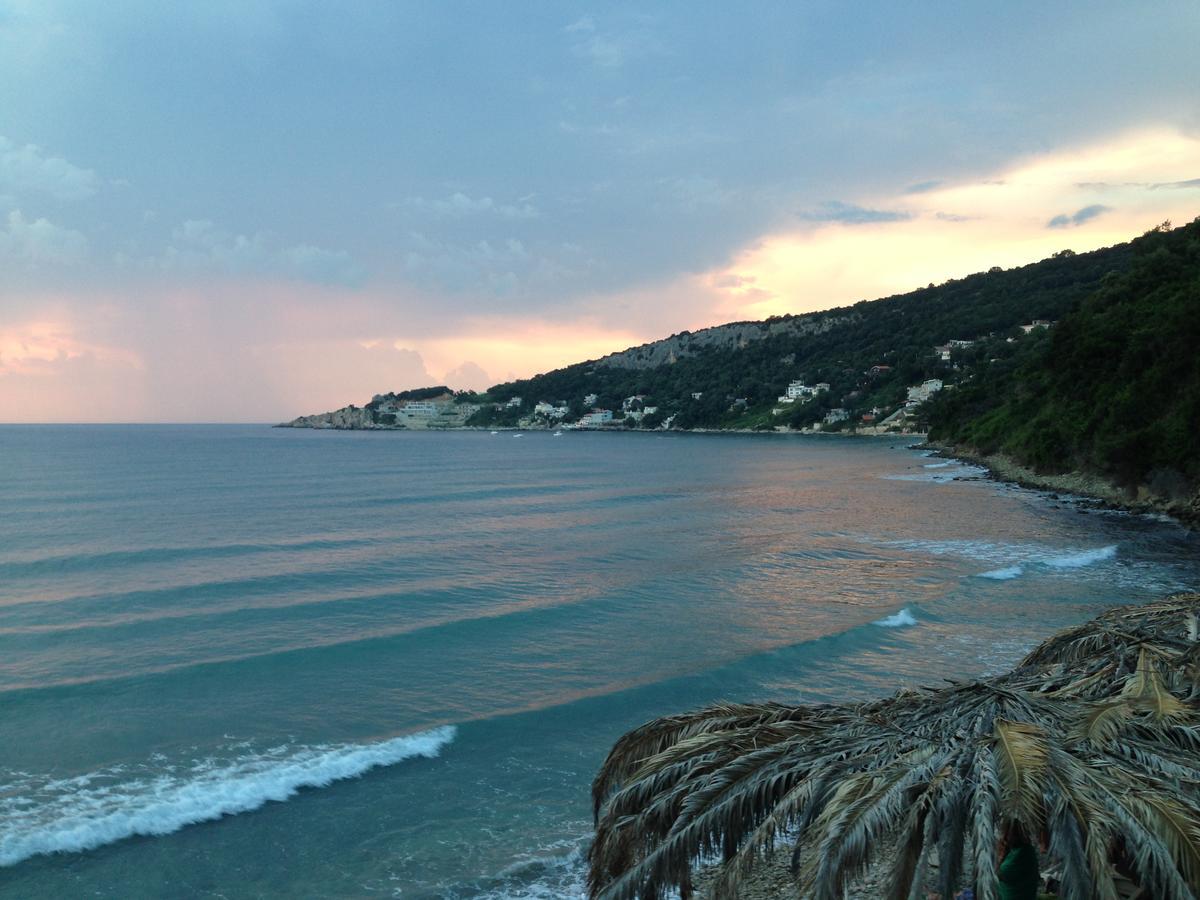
[{"x": 1182, "y": 505}]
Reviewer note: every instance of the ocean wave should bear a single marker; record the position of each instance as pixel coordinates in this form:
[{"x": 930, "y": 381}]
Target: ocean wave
[
  {"x": 897, "y": 620},
  {"x": 72, "y": 815},
  {"x": 1005, "y": 574},
  {"x": 1082, "y": 558},
  {"x": 944, "y": 472},
  {"x": 550, "y": 877},
  {"x": 1012, "y": 560}
]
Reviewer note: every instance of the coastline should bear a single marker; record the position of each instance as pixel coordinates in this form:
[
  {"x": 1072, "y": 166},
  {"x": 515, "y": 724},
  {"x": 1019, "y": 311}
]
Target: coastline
[{"x": 1104, "y": 492}]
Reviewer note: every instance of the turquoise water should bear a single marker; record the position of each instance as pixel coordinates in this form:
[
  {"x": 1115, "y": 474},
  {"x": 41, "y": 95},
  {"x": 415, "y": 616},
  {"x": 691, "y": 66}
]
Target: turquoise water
[{"x": 250, "y": 662}]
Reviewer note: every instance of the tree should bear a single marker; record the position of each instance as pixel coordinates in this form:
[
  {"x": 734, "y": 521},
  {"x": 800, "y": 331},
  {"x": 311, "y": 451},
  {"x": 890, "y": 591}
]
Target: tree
[{"x": 1091, "y": 741}]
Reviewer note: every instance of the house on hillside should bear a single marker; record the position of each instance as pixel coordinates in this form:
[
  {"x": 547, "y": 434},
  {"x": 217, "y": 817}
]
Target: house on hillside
[
  {"x": 636, "y": 402},
  {"x": 879, "y": 370},
  {"x": 798, "y": 390},
  {"x": 1035, "y": 324},
  {"x": 515, "y": 401},
  {"x": 549, "y": 410},
  {"x": 922, "y": 392},
  {"x": 590, "y": 399},
  {"x": 836, "y": 415},
  {"x": 596, "y": 417}
]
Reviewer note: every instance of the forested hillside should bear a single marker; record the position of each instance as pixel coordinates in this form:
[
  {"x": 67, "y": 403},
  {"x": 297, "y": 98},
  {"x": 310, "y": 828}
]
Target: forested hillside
[
  {"x": 898, "y": 333},
  {"x": 1113, "y": 388}
]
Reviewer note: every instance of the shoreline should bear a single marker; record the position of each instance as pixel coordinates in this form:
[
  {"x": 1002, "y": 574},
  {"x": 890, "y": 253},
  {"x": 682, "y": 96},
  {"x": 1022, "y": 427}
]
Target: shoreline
[{"x": 1105, "y": 493}]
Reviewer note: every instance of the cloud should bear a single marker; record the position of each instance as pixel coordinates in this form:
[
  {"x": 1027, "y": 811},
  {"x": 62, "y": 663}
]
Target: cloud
[
  {"x": 584, "y": 23},
  {"x": 198, "y": 245},
  {"x": 501, "y": 266},
  {"x": 987, "y": 218},
  {"x": 40, "y": 243},
  {"x": 37, "y": 348},
  {"x": 459, "y": 205},
  {"x": 850, "y": 214},
  {"x": 1062, "y": 220},
  {"x": 321, "y": 266},
  {"x": 1189, "y": 184},
  {"x": 25, "y": 169},
  {"x": 614, "y": 48},
  {"x": 468, "y": 376},
  {"x": 729, "y": 281},
  {"x": 922, "y": 187}
]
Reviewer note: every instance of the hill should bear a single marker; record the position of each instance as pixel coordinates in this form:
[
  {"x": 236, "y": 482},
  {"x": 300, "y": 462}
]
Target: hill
[
  {"x": 1080, "y": 363},
  {"x": 1113, "y": 389},
  {"x": 868, "y": 353}
]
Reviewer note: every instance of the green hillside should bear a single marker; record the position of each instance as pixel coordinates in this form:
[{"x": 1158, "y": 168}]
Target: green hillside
[
  {"x": 899, "y": 332},
  {"x": 1113, "y": 388}
]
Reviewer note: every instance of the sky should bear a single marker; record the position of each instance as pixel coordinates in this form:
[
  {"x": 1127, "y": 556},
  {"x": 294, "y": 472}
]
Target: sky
[{"x": 245, "y": 210}]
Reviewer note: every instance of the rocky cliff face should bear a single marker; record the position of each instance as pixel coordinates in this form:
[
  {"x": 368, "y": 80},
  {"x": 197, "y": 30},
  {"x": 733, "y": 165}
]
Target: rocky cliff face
[
  {"x": 734, "y": 336},
  {"x": 348, "y": 417}
]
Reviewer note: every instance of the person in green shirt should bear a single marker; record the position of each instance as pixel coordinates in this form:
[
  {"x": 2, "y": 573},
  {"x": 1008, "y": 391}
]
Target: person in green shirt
[{"x": 1019, "y": 877}]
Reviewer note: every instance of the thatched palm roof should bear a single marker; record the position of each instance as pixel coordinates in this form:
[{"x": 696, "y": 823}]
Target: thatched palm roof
[{"x": 1093, "y": 742}]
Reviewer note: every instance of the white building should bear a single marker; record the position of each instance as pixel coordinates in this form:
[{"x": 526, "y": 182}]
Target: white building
[
  {"x": 590, "y": 399},
  {"x": 1036, "y": 323},
  {"x": 836, "y": 415},
  {"x": 420, "y": 409},
  {"x": 597, "y": 417},
  {"x": 922, "y": 392},
  {"x": 549, "y": 410},
  {"x": 696, "y": 395},
  {"x": 515, "y": 401},
  {"x": 799, "y": 390}
]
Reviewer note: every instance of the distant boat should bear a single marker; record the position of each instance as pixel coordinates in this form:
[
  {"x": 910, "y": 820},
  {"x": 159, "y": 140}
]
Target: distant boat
[
  {"x": 558, "y": 434},
  {"x": 518, "y": 435},
  {"x": 495, "y": 432}
]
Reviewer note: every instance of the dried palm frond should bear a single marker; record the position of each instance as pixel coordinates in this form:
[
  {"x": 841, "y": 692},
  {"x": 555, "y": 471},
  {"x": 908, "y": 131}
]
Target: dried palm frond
[{"x": 1093, "y": 740}]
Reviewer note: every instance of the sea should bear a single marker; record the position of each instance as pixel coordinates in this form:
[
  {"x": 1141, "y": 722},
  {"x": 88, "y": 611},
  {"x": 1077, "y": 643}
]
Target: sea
[{"x": 245, "y": 662}]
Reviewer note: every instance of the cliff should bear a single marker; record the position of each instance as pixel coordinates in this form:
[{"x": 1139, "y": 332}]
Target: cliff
[
  {"x": 348, "y": 417},
  {"x": 734, "y": 336}
]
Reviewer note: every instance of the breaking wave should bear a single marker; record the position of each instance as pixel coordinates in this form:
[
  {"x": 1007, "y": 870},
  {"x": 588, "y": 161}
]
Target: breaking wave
[
  {"x": 1081, "y": 559},
  {"x": 41, "y": 816},
  {"x": 897, "y": 620},
  {"x": 1005, "y": 574},
  {"x": 1011, "y": 560}
]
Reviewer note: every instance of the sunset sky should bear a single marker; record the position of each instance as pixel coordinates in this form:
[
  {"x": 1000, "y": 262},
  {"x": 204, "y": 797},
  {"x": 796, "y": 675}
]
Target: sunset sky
[{"x": 245, "y": 211}]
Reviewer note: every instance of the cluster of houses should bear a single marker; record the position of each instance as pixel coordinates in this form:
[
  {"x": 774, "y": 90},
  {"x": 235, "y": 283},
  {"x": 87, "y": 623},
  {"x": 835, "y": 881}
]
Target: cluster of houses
[
  {"x": 798, "y": 390},
  {"x": 438, "y": 412},
  {"x": 633, "y": 409},
  {"x": 443, "y": 412}
]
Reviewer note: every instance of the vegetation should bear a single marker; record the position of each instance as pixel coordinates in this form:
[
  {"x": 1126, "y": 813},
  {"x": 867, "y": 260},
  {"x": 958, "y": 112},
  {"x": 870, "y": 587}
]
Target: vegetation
[
  {"x": 898, "y": 332},
  {"x": 1114, "y": 388},
  {"x": 1093, "y": 742}
]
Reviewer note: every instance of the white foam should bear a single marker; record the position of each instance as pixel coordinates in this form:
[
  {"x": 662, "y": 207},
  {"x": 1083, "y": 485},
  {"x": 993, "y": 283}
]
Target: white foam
[
  {"x": 1004, "y": 574},
  {"x": 1082, "y": 558},
  {"x": 551, "y": 877},
  {"x": 953, "y": 471},
  {"x": 897, "y": 620},
  {"x": 81, "y": 817},
  {"x": 1012, "y": 560}
]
